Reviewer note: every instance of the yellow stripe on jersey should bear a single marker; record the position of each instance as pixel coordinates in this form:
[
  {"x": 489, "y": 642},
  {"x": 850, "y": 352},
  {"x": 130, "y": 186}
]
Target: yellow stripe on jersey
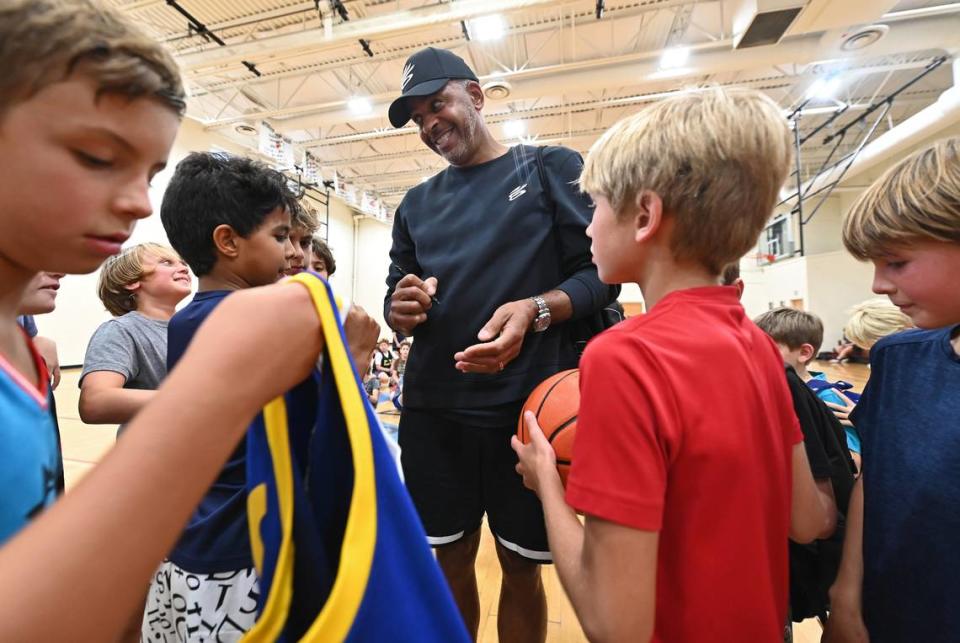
[
  {"x": 359, "y": 539},
  {"x": 270, "y": 624}
]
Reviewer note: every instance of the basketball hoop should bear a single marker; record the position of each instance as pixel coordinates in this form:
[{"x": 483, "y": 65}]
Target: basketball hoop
[{"x": 762, "y": 258}]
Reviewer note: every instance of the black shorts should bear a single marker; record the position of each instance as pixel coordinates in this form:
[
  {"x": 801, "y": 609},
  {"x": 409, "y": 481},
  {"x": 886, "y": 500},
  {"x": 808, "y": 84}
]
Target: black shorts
[{"x": 456, "y": 472}]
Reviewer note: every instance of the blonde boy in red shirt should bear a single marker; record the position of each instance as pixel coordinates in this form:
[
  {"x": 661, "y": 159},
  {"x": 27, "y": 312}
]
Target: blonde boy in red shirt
[{"x": 691, "y": 478}]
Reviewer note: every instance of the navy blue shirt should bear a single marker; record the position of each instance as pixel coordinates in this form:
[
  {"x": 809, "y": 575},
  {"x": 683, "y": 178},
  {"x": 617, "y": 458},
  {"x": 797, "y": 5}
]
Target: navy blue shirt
[
  {"x": 909, "y": 422},
  {"x": 491, "y": 234},
  {"x": 216, "y": 538}
]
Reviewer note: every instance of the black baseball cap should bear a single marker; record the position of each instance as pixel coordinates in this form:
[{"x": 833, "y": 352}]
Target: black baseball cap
[{"x": 425, "y": 73}]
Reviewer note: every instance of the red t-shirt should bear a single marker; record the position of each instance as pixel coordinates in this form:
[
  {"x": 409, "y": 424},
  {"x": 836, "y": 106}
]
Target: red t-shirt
[{"x": 686, "y": 428}]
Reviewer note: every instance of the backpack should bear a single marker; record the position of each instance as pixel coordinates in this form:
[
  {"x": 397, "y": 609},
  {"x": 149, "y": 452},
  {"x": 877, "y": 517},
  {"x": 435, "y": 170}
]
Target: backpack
[{"x": 582, "y": 330}]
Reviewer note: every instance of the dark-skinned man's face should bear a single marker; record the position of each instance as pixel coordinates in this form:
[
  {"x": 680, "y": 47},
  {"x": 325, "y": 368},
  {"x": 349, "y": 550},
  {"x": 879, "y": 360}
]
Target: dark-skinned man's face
[{"x": 449, "y": 121}]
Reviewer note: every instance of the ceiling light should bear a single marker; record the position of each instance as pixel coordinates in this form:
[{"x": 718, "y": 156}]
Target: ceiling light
[
  {"x": 514, "y": 129},
  {"x": 359, "y": 105},
  {"x": 824, "y": 88},
  {"x": 674, "y": 57},
  {"x": 488, "y": 27}
]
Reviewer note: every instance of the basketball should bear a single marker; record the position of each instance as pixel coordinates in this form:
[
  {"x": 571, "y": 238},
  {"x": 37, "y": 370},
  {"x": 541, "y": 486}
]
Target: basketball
[{"x": 555, "y": 402}]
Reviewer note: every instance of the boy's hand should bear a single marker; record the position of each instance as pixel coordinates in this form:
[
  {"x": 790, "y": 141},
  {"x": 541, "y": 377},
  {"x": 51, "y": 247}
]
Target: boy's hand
[
  {"x": 362, "y": 332},
  {"x": 538, "y": 461},
  {"x": 842, "y": 412},
  {"x": 501, "y": 337},
  {"x": 845, "y": 626},
  {"x": 48, "y": 351},
  {"x": 410, "y": 302}
]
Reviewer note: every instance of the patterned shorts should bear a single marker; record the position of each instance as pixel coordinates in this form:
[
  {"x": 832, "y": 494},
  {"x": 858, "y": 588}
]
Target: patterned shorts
[{"x": 189, "y": 608}]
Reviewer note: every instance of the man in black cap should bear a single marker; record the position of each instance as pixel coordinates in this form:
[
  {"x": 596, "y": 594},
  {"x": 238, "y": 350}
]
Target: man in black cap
[{"x": 489, "y": 259}]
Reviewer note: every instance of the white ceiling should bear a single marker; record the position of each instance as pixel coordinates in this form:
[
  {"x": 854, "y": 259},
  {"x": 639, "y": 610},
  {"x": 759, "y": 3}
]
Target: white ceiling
[{"x": 571, "y": 75}]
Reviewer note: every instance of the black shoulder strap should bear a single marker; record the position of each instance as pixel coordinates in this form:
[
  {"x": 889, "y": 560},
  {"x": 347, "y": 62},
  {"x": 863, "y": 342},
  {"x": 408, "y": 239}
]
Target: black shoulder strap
[
  {"x": 542, "y": 173},
  {"x": 545, "y": 186}
]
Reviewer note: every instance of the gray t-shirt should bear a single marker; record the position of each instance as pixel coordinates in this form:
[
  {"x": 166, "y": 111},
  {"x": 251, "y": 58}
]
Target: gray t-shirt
[{"x": 132, "y": 345}]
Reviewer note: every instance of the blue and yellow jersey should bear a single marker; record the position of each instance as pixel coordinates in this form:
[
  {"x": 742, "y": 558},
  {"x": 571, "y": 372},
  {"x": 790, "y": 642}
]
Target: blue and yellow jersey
[{"x": 337, "y": 543}]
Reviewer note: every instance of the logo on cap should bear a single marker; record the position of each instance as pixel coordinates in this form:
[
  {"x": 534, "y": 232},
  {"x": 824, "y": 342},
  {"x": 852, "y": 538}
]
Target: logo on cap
[{"x": 407, "y": 75}]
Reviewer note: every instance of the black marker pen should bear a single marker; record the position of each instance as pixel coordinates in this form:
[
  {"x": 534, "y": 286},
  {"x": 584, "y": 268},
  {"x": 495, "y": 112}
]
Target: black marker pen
[{"x": 433, "y": 298}]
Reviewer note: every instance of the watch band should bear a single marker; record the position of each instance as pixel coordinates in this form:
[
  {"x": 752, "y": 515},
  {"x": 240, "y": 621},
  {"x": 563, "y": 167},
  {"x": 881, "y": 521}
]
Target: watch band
[{"x": 542, "y": 321}]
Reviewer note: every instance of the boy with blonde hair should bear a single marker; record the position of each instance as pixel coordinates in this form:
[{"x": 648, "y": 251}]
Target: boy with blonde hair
[
  {"x": 900, "y": 568},
  {"x": 89, "y": 108},
  {"x": 126, "y": 358},
  {"x": 690, "y": 483},
  {"x": 872, "y": 320}
]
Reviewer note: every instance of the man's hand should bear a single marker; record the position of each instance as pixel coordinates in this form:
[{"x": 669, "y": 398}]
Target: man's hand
[
  {"x": 48, "y": 351},
  {"x": 842, "y": 412},
  {"x": 410, "y": 302},
  {"x": 538, "y": 461},
  {"x": 362, "y": 332},
  {"x": 501, "y": 339}
]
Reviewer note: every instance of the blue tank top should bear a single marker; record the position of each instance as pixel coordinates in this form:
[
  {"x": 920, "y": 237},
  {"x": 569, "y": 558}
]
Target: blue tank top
[{"x": 30, "y": 462}]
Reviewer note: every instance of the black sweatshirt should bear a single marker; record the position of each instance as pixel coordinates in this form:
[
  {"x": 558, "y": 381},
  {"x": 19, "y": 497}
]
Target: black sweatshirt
[{"x": 490, "y": 235}]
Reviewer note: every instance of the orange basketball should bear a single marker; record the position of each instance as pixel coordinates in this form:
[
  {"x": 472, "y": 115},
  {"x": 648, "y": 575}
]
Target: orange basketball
[{"x": 555, "y": 402}]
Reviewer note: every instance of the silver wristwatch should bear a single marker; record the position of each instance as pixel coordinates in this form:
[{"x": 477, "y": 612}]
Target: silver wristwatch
[{"x": 542, "y": 321}]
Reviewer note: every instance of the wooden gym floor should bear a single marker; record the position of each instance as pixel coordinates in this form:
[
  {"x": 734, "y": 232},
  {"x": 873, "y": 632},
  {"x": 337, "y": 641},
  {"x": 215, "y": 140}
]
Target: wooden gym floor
[{"x": 84, "y": 445}]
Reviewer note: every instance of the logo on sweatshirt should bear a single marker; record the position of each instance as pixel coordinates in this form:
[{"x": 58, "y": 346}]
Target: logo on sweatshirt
[{"x": 517, "y": 192}]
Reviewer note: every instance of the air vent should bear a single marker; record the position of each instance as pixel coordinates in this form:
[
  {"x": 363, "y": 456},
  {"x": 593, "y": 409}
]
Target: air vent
[
  {"x": 497, "y": 89},
  {"x": 768, "y": 27},
  {"x": 863, "y": 38}
]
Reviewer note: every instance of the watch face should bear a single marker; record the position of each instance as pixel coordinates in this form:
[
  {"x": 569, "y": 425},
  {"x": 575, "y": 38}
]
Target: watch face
[{"x": 541, "y": 323}]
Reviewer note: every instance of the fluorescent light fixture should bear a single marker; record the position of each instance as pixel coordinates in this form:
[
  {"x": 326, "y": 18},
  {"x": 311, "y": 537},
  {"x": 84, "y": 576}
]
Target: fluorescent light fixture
[
  {"x": 514, "y": 129},
  {"x": 674, "y": 57},
  {"x": 359, "y": 105},
  {"x": 824, "y": 88},
  {"x": 491, "y": 27}
]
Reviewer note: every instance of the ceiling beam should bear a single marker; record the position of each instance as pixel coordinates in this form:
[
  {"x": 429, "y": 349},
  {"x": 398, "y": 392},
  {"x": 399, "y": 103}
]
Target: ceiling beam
[
  {"x": 401, "y": 52},
  {"x": 641, "y": 69},
  {"x": 393, "y": 24},
  {"x": 566, "y": 109},
  {"x": 423, "y": 152}
]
